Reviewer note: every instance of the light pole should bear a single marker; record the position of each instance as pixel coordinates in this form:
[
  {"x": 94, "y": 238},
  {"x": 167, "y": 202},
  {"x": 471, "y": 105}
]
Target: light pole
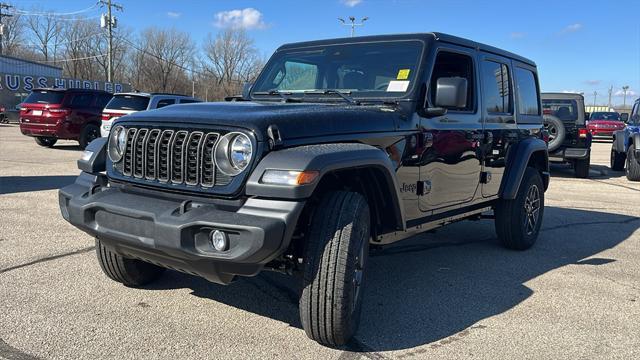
[
  {"x": 352, "y": 23},
  {"x": 624, "y": 96}
]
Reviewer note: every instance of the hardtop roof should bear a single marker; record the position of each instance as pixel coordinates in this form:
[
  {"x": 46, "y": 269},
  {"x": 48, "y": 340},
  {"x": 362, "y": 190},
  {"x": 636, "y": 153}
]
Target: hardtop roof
[{"x": 431, "y": 36}]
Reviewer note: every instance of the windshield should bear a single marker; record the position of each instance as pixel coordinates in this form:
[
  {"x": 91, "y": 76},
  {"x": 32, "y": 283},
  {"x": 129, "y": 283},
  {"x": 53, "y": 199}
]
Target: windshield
[
  {"x": 380, "y": 69},
  {"x": 128, "y": 102},
  {"x": 565, "y": 110},
  {"x": 44, "y": 97},
  {"x": 612, "y": 116}
]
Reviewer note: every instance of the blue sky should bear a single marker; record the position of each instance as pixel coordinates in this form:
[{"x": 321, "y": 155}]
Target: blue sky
[{"x": 578, "y": 45}]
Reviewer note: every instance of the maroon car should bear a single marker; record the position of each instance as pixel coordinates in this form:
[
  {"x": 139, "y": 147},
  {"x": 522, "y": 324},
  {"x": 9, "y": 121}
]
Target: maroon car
[
  {"x": 604, "y": 124},
  {"x": 70, "y": 114}
]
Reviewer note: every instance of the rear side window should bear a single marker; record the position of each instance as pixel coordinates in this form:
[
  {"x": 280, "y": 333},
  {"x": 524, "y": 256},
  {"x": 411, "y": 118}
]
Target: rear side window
[
  {"x": 44, "y": 97},
  {"x": 527, "y": 92},
  {"x": 102, "y": 100},
  {"x": 496, "y": 87},
  {"x": 165, "y": 102},
  {"x": 566, "y": 110},
  {"x": 188, "y": 101},
  {"x": 128, "y": 102},
  {"x": 81, "y": 100}
]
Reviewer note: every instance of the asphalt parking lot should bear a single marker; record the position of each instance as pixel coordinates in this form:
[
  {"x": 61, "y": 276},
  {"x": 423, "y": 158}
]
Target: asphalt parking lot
[{"x": 447, "y": 295}]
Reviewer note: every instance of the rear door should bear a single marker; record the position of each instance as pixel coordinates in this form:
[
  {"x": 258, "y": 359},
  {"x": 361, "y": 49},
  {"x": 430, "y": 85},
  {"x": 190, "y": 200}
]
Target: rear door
[
  {"x": 498, "y": 120},
  {"x": 82, "y": 110}
]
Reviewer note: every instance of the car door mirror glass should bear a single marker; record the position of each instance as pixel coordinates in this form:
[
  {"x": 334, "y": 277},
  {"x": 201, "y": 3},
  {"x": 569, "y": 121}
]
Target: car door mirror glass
[{"x": 624, "y": 117}]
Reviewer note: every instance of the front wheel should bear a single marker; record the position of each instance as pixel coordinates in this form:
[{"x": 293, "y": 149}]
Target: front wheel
[
  {"x": 335, "y": 263},
  {"x": 130, "y": 272},
  {"x": 46, "y": 141},
  {"x": 518, "y": 220},
  {"x": 633, "y": 166}
]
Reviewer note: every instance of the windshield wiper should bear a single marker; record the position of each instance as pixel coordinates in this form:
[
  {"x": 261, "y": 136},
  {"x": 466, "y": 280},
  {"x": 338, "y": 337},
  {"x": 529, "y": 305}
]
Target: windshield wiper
[
  {"x": 342, "y": 94},
  {"x": 285, "y": 95}
]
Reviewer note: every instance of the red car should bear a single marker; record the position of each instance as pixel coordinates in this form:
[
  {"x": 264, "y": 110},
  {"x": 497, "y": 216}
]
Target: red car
[
  {"x": 604, "y": 124},
  {"x": 71, "y": 114}
]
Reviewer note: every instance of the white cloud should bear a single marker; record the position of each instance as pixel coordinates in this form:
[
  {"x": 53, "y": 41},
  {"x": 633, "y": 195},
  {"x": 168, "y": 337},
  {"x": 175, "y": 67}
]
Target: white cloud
[
  {"x": 572, "y": 28},
  {"x": 351, "y": 3},
  {"x": 630, "y": 93},
  {"x": 517, "y": 35},
  {"x": 173, "y": 14},
  {"x": 248, "y": 18}
]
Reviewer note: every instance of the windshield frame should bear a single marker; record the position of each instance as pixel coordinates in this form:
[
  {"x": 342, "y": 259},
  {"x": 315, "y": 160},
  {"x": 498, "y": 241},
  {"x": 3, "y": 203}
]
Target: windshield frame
[{"x": 406, "y": 96}]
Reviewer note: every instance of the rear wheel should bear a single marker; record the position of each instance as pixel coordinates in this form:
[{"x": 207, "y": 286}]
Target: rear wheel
[
  {"x": 335, "y": 263},
  {"x": 617, "y": 160},
  {"x": 581, "y": 167},
  {"x": 130, "y": 272},
  {"x": 518, "y": 221},
  {"x": 633, "y": 167},
  {"x": 89, "y": 133},
  {"x": 46, "y": 141}
]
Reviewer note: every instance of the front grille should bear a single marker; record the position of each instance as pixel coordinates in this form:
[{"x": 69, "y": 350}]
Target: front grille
[{"x": 176, "y": 157}]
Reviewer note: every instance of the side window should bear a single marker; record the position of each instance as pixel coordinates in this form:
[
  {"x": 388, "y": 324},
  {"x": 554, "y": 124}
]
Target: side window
[
  {"x": 165, "y": 102},
  {"x": 450, "y": 64},
  {"x": 527, "y": 92},
  {"x": 496, "y": 87},
  {"x": 102, "y": 101},
  {"x": 82, "y": 100},
  {"x": 188, "y": 101}
]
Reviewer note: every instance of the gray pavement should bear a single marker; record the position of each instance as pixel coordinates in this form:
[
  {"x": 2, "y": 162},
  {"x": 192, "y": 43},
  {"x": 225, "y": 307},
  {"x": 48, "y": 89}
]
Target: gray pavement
[{"x": 451, "y": 294}]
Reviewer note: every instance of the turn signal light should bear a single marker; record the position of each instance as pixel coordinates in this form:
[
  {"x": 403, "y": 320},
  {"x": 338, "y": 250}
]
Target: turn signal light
[{"x": 289, "y": 177}]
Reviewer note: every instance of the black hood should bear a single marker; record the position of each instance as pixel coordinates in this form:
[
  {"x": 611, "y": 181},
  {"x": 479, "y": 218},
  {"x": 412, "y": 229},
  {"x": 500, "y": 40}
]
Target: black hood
[{"x": 294, "y": 120}]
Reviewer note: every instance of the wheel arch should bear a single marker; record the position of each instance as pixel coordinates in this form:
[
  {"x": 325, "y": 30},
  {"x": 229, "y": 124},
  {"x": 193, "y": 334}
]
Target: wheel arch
[{"x": 531, "y": 152}]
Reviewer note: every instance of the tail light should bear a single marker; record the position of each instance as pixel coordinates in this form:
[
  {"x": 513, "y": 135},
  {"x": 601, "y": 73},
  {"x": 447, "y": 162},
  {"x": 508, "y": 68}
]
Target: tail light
[
  {"x": 1, "y": 108},
  {"x": 106, "y": 117},
  {"x": 582, "y": 133}
]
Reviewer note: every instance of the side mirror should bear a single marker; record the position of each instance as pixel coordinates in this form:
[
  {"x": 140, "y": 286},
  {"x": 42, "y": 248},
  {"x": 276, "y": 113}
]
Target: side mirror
[
  {"x": 451, "y": 92},
  {"x": 624, "y": 117},
  {"x": 246, "y": 89},
  {"x": 587, "y": 116}
]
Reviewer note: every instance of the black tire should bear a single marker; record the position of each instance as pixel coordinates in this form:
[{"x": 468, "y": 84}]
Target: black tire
[
  {"x": 555, "y": 129},
  {"x": 46, "y": 141},
  {"x": 335, "y": 263},
  {"x": 581, "y": 167},
  {"x": 130, "y": 272},
  {"x": 617, "y": 160},
  {"x": 514, "y": 217},
  {"x": 89, "y": 133},
  {"x": 633, "y": 167}
]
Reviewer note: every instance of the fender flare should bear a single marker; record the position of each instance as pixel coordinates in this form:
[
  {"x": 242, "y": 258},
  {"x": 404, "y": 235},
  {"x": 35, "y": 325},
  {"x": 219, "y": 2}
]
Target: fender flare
[
  {"x": 619, "y": 141},
  {"x": 324, "y": 158},
  {"x": 518, "y": 157},
  {"x": 635, "y": 139}
]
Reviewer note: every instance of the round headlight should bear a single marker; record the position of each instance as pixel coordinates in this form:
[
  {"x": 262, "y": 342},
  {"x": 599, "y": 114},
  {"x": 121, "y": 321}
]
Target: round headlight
[
  {"x": 233, "y": 153},
  {"x": 117, "y": 143}
]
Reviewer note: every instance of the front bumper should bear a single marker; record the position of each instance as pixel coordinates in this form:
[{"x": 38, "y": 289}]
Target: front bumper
[{"x": 174, "y": 234}]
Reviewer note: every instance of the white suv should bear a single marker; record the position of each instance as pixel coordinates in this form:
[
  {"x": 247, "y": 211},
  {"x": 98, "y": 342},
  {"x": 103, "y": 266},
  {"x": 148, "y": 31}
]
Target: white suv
[{"x": 126, "y": 103}]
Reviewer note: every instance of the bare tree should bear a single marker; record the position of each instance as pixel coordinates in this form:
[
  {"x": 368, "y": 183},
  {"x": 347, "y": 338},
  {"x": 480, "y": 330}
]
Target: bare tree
[
  {"x": 162, "y": 61},
  {"x": 231, "y": 58},
  {"x": 13, "y": 36},
  {"x": 46, "y": 34}
]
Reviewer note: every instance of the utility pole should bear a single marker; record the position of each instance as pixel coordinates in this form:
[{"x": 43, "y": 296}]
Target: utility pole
[
  {"x": 610, "y": 92},
  {"x": 624, "y": 96},
  {"x": 109, "y": 22},
  {"x": 595, "y": 96},
  {"x": 353, "y": 23},
  {"x": 3, "y": 6}
]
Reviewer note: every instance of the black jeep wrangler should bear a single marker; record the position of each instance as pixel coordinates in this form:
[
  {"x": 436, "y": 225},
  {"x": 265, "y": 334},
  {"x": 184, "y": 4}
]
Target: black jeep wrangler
[
  {"x": 338, "y": 146},
  {"x": 569, "y": 139}
]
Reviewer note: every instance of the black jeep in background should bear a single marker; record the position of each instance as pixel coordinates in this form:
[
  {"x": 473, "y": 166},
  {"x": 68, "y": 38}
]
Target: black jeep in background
[
  {"x": 340, "y": 144},
  {"x": 569, "y": 138}
]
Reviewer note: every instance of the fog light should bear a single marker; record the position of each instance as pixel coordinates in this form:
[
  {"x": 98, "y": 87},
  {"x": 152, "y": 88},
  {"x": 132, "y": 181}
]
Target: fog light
[{"x": 219, "y": 240}]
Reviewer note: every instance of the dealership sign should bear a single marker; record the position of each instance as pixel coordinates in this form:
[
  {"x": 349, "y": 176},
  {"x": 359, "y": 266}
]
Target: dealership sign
[{"x": 14, "y": 82}]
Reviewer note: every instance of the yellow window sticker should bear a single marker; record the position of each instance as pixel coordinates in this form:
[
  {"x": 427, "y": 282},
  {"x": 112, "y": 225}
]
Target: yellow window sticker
[{"x": 403, "y": 74}]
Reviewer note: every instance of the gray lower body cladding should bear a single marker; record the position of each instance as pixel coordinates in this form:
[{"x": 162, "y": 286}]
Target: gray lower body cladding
[{"x": 175, "y": 234}]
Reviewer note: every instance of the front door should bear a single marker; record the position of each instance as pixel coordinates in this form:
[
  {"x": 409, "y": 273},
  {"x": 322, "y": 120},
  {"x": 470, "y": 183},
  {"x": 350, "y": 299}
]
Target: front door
[{"x": 450, "y": 165}]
